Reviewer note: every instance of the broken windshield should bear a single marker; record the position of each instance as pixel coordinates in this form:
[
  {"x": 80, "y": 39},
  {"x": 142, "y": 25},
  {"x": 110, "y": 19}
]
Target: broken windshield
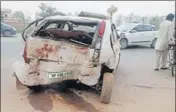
[{"x": 75, "y": 32}]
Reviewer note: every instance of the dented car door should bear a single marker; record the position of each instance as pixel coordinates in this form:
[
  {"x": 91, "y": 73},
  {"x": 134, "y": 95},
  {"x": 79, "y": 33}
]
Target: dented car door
[{"x": 115, "y": 46}]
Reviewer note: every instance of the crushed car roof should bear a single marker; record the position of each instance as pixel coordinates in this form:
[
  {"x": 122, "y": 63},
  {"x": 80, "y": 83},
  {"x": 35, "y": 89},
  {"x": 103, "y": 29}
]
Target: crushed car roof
[
  {"x": 73, "y": 18},
  {"x": 92, "y": 15}
]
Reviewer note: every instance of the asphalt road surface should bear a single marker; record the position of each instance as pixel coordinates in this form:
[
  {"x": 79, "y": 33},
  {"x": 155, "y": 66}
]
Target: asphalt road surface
[{"x": 138, "y": 88}]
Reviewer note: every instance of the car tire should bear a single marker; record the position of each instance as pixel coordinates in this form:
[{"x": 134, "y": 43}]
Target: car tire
[
  {"x": 114, "y": 72},
  {"x": 108, "y": 80},
  {"x": 153, "y": 43},
  {"x": 35, "y": 88},
  {"x": 124, "y": 43},
  {"x": 6, "y": 33}
]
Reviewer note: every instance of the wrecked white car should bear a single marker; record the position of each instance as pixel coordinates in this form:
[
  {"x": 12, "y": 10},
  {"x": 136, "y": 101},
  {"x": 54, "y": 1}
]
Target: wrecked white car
[{"x": 60, "y": 48}]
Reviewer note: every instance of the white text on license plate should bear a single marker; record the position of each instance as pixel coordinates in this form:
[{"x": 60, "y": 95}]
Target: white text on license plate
[{"x": 59, "y": 74}]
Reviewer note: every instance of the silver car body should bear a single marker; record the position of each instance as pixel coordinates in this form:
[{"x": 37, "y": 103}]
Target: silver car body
[{"x": 137, "y": 37}]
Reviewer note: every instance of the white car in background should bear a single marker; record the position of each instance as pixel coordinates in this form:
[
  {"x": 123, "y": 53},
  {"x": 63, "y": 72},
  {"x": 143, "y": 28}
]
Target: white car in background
[{"x": 137, "y": 34}]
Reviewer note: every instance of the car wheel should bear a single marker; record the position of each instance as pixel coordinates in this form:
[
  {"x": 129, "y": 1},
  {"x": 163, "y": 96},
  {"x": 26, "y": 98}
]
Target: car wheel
[
  {"x": 124, "y": 43},
  {"x": 7, "y": 33},
  {"x": 108, "y": 79},
  {"x": 153, "y": 43},
  {"x": 35, "y": 88},
  {"x": 114, "y": 72}
]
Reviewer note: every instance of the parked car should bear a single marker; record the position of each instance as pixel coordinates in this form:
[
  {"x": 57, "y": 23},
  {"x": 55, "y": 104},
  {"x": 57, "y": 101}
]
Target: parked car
[
  {"x": 60, "y": 48},
  {"x": 137, "y": 34},
  {"x": 7, "y": 30}
]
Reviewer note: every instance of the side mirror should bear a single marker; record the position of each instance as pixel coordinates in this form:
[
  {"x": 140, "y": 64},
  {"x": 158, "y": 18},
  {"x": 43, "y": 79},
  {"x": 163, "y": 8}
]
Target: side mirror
[{"x": 133, "y": 31}]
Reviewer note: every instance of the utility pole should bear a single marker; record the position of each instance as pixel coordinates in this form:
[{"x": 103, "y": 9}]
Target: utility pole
[{"x": 111, "y": 11}]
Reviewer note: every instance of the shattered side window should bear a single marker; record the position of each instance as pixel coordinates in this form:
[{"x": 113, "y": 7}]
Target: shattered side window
[
  {"x": 85, "y": 28},
  {"x": 79, "y": 33},
  {"x": 89, "y": 28},
  {"x": 30, "y": 30},
  {"x": 66, "y": 28},
  {"x": 52, "y": 25}
]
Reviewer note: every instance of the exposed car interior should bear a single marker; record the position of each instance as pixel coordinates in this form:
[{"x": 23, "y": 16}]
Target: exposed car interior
[{"x": 76, "y": 32}]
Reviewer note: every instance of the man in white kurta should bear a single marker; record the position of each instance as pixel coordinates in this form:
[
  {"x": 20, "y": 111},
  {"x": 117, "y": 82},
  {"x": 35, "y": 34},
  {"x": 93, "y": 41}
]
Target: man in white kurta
[{"x": 165, "y": 36}]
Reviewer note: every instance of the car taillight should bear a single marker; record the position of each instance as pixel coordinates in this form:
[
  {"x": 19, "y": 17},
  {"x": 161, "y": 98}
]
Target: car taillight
[
  {"x": 25, "y": 53},
  {"x": 101, "y": 29}
]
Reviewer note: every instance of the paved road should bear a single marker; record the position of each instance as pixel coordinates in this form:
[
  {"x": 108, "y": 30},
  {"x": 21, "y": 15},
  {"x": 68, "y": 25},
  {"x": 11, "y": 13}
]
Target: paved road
[{"x": 137, "y": 87}]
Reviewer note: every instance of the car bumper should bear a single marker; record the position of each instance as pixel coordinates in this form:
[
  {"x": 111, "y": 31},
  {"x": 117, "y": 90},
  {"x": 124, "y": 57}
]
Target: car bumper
[{"x": 80, "y": 73}]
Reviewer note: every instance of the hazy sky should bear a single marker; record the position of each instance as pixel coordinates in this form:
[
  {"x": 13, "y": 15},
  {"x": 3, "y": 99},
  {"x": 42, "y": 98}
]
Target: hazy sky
[{"x": 142, "y": 8}]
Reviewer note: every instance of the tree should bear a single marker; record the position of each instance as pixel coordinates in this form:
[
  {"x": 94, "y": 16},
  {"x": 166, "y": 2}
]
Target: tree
[
  {"x": 111, "y": 11},
  {"x": 28, "y": 20},
  {"x": 119, "y": 20},
  {"x": 130, "y": 18},
  {"x": 155, "y": 20},
  {"x": 137, "y": 18},
  {"x": 48, "y": 11},
  {"x": 19, "y": 15}
]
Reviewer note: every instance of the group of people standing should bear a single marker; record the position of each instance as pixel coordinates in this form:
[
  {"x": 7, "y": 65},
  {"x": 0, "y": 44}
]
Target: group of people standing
[{"x": 164, "y": 38}]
